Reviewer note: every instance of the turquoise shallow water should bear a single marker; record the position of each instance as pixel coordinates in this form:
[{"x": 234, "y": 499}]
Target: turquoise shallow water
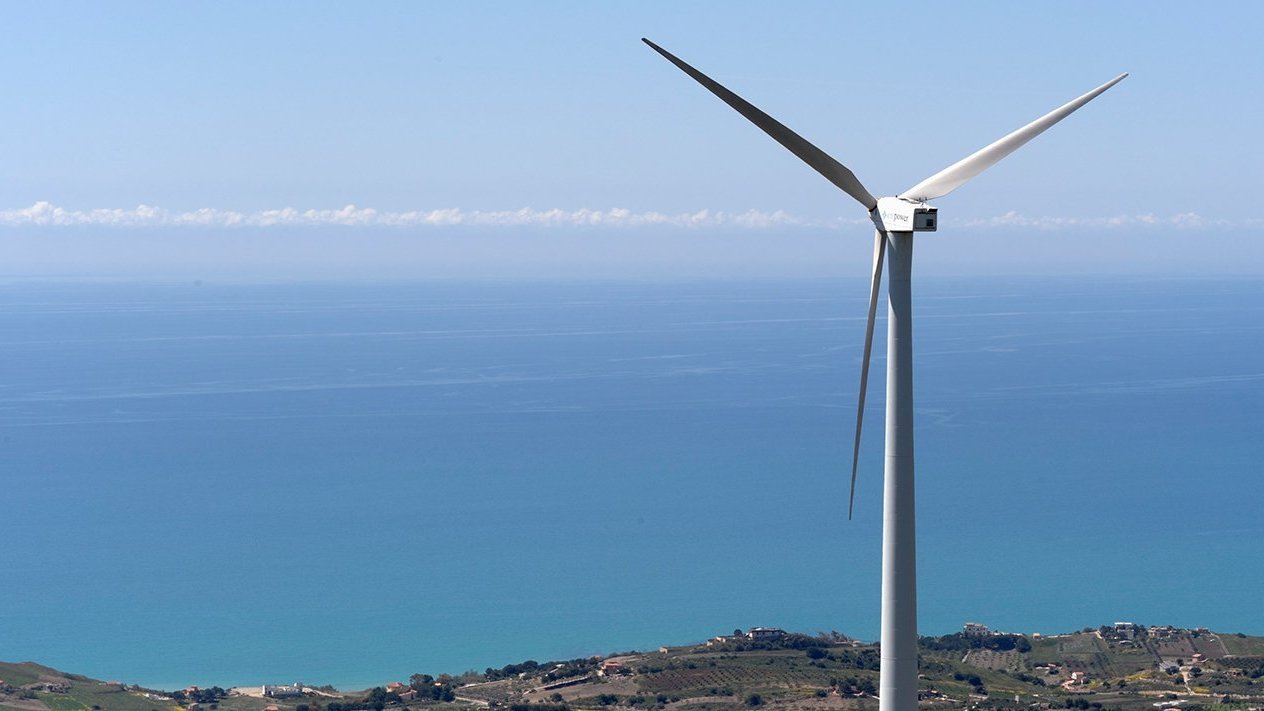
[{"x": 350, "y": 483}]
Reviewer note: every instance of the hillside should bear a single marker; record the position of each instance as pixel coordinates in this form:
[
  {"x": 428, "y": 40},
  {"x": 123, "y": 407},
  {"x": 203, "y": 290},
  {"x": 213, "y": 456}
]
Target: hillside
[{"x": 1118, "y": 667}]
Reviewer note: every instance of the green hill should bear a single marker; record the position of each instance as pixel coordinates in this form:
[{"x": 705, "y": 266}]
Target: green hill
[{"x": 1134, "y": 669}]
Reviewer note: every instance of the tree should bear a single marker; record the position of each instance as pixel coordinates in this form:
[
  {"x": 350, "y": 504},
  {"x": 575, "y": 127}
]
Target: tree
[{"x": 754, "y": 700}]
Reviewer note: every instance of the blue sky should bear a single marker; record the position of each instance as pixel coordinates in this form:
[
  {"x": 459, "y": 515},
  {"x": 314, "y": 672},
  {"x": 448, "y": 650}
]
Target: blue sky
[{"x": 544, "y": 138}]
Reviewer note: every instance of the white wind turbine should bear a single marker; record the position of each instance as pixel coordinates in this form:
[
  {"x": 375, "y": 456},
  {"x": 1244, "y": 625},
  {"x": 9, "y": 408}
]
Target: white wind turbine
[{"x": 896, "y": 219}]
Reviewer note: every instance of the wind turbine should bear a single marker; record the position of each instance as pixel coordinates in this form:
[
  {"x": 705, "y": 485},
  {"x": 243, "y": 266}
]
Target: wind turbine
[{"x": 896, "y": 219}]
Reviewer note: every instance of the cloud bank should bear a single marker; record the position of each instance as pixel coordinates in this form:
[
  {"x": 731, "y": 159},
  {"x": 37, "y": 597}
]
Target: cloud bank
[
  {"x": 46, "y": 214},
  {"x": 1183, "y": 220}
]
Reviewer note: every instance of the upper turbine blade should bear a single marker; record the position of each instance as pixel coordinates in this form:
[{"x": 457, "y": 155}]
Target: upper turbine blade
[
  {"x": 835, "y": 172},
  {"x": 879, "y": 249},
  {"x": 952, "y": 177}
]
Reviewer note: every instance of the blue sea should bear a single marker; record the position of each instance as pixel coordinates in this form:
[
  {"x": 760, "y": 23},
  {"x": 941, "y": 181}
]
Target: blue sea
[{"x": 226, "y": 483}]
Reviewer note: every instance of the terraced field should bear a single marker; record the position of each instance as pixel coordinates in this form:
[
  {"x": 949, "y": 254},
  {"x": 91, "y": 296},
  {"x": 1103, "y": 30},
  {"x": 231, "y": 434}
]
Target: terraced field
[
  {"x": 735, "y": 677},
  {"x": 1010, "y": 661}
]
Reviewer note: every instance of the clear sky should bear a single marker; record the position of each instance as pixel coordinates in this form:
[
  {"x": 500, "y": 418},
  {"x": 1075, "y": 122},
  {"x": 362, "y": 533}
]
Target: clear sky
[{"x": 413, "y": 139}]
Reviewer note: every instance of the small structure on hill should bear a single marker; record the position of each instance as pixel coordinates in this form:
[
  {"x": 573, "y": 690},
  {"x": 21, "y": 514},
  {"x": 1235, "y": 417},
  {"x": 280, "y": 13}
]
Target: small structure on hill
[
  {"x": 1125, "y": 630},
  {"x": 610, "y": 668},
  {"x": 975, "y": 629},
  {"x": 760, "y": 634},
  {"x": 281, "y": 691}
]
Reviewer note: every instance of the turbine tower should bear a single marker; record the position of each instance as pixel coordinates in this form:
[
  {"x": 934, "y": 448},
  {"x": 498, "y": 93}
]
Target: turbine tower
[{"x": 895, "y": 219}]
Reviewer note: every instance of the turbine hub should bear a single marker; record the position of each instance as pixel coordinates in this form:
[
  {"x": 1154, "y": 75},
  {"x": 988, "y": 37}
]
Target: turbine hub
[{"x": 895, "y": 214}]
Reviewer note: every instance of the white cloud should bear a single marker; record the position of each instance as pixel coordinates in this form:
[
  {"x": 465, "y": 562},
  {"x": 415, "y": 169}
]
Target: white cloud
[
  {"x": 46, "y": 214},
  {"x": 1183, "y": 220}
]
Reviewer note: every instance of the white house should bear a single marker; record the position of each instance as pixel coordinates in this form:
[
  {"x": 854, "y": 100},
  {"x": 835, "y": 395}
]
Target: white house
[{"x": 763, "y": 633}]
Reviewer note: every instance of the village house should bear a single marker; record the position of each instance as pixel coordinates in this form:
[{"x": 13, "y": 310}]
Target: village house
[
  {"x": 1078, "y": 678},
  {"x": 610, "y": 667},
  {"x": 1125, "y": 630},
  {"x": 974, "y": 629},
  {"x": 765, "y": 633}
]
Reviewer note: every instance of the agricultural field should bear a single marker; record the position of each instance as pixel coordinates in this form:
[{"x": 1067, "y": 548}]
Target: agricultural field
[
  {"x": 791, "y": 673},
  {"x": 1010, "y": 661},
  {"x": 765, "y": 676},
  {"x": 1240, "y": 645}
]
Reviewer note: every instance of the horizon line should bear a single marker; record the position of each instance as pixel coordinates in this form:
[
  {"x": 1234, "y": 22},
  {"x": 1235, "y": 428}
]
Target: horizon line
[{"x": 45, "y": 214}]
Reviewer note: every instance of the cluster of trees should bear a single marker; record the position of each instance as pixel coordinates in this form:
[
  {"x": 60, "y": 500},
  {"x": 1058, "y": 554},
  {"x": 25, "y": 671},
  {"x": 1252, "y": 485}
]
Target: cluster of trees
[
  {"x": 555, "y": 670},
  {"x": 428, "y": 687},
  {"x": 571, "y": 668},
  {"x": 833, "y": 637},
  {"x": 960, "y": 642},
  {"x": 867, "y": 659},
  {"x": 973, "y": 680},
  {"x": 201, "y": 696},
  {"x": 528, "y": 667},
  {"x": 1024, "y": 676},
  {"x": 790, "y": 640},
  {"x": 855, "y": 686}
]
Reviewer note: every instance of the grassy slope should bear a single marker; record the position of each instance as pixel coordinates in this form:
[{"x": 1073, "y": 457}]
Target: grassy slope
[
  {"x": 85, "y": 693},
  {"x": 723, "y": 680}
]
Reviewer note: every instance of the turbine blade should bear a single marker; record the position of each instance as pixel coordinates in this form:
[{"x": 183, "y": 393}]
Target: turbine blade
[
  {"x": 955, "y": 175},
  {"x": 879, "y": 250},
  {"x": 835, "y": 172}
]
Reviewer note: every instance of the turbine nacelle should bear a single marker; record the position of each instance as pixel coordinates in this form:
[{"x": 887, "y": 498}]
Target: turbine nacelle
[{"x": 895, "y": 214}]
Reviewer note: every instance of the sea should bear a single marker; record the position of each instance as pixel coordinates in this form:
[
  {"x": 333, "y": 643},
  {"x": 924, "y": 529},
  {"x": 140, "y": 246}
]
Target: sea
[{"x": 347, "y": 483}]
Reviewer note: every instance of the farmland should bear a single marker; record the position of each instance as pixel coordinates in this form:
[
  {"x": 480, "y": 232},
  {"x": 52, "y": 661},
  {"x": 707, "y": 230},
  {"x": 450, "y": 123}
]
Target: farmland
[{"x": 1099, "y": 669}]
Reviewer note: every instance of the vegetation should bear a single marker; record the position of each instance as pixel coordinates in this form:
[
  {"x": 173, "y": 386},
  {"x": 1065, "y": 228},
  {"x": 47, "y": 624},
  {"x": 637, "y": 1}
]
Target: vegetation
[
  {"x": 963, "y": 642},
  {"x": 1100, "y": 669},
  {"x": 199, "y": 696}
]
